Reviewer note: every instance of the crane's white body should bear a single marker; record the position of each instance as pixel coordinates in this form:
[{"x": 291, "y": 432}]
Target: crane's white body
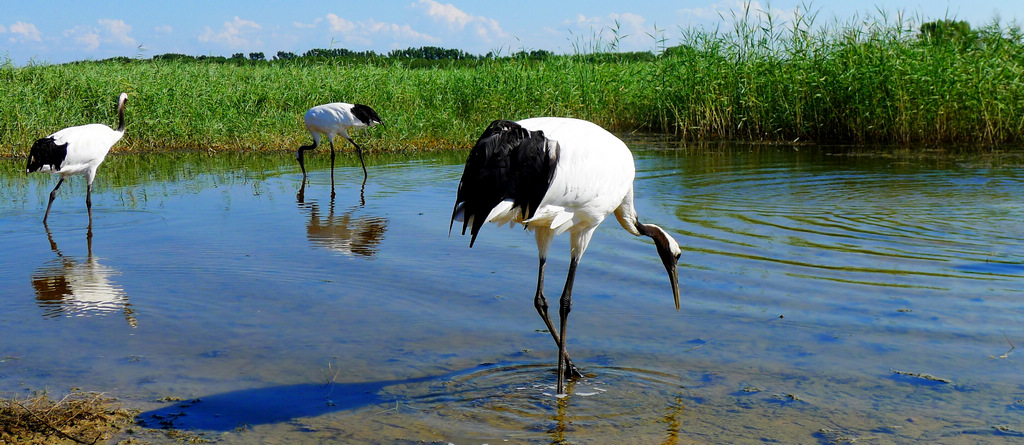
[
  {"x": 335, "y": 119},
  {"x": 593, "y": 176},
  {"x": 576, "y": 174},
  {"x": 88, "y": 146},
  {"x": 76, "y": 151}
]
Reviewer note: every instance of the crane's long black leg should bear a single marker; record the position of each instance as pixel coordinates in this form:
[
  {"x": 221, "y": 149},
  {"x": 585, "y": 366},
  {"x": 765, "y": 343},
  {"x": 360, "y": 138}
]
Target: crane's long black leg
[
  {"x": 88, "y": 239},
  {"x": 359, "y": 151},
  {"x": 88, "y": 201},
  {"x": 565, "y": 305},
  {"x": 541, "y": 303},
  {"x": 332, "y": 167},
  {"x": 53, "y": 195},
  {"x": 362, "y": 193}
]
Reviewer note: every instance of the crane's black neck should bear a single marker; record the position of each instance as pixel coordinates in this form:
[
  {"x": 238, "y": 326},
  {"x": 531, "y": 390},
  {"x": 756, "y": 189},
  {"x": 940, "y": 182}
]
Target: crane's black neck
[
  {"x": 120, "y": 117},
  {"x": 644, "y": 229},
  {"x": 654, "y": 232}
]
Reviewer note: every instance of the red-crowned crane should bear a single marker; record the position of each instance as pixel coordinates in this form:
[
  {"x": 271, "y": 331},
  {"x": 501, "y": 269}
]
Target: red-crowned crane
[
  {"x": 336, "y": 119},
  {"x": 555, "y": 175},
  {"x": 76, "y": 151}
]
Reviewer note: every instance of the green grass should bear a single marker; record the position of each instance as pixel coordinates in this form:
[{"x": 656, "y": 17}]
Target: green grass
[{"x": 872, "y": 80}]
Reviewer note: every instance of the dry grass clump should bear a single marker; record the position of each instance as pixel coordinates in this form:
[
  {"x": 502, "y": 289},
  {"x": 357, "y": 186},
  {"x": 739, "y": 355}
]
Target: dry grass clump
[{"x": 79, "y": 417}]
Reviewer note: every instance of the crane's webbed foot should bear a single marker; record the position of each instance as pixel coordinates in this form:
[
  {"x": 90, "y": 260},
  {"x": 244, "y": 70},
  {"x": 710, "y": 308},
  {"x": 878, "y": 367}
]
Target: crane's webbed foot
[{"x": 571, "y": 371}]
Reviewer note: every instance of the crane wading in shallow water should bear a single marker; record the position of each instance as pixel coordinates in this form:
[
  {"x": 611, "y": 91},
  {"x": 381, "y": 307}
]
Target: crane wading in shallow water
[
  {"x": 336, "y": 119},
  {"x": 555, "y": 175},
  {"x": 76, "y": 151}
]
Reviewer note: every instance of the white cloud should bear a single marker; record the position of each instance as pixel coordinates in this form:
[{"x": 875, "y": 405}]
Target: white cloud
[
  {"x": 627, "y": 31},
  {"x": 626, "y": 21},
  {"x": 2, "y": 29},
  {"x": 629, "y": 19},
  {"x": 729, "y": 9},
  {"x": 447, "y": 12},
  {"x": 25, "y": 32},
  {"x": 238, "y": 33},
  {"x": 165, "y": 29},
  {"x": 488, "y": 28},
  {"x": 339, "y": 24},
  {"x": 457, "y": 19},
  {"x": 85, "y": 35},
  {"x": 395, "y": 30},
  {"x": 301, "y": 25},
  {"x": 366, "y": 31},
  {"x": 117, "y": 31},
  {"x": 109, "y": 31}
]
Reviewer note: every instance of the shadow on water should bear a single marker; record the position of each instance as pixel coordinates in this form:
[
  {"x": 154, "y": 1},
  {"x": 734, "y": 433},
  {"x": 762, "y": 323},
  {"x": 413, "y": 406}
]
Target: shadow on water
[
  {"x": 993, "y": 269},
  {"x": 343, "y": 232},
  {"x": 248, "y": 407},
  {"x": 72, "y": 287},
  {"x": 508, "y": 399}
]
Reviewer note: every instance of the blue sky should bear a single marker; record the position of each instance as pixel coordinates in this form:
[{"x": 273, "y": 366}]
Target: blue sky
[{"x": 63, "y": 31}]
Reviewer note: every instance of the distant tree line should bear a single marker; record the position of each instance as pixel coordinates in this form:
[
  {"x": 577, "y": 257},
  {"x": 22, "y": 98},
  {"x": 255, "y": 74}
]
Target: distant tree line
[
  {"x": 943, "y": 31},
  {"x": 421, "y": 57},
  {"x": 938, "y": 32}
]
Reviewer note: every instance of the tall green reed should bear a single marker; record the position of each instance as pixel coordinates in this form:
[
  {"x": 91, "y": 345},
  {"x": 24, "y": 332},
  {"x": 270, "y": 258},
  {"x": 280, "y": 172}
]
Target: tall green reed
[{"x": 865, "y": 80}]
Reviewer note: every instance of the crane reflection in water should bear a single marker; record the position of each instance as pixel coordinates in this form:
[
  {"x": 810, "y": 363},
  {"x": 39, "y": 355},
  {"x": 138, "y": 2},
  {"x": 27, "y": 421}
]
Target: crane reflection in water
[
  {"x": 71, "y": 287},
  {"x": 347, "y": 232}
]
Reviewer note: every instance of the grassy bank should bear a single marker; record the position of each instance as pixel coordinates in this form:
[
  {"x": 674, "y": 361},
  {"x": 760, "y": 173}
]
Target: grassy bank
[{"x": 878, "y": 80}]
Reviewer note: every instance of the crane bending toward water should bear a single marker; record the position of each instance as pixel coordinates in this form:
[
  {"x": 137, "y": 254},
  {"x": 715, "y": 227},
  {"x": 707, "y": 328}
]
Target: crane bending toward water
[
  {"x": 76, "y": 151},
  {"x": 555, "y": 175},
  {"x": 336, "y": 119}
]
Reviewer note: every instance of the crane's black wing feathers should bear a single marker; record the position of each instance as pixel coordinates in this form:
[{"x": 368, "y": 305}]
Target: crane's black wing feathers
[
  {"x": 46, "y": 151},
  {"x": 365, "y": 114},
  {"x": 532, "y": 168},
  {"x": 507, "y": 162}
]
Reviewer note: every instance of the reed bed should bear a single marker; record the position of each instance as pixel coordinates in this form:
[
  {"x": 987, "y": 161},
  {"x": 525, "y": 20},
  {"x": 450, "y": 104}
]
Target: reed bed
[{"x": 872, "y": 80}]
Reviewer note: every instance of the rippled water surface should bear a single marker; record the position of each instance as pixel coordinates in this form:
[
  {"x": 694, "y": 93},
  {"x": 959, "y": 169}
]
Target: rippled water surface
[{"x": 828, "y": 296}]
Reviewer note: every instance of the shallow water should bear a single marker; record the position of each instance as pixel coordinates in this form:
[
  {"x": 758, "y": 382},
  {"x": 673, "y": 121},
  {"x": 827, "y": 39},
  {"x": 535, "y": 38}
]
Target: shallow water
[{"x": 828, "y": 296}]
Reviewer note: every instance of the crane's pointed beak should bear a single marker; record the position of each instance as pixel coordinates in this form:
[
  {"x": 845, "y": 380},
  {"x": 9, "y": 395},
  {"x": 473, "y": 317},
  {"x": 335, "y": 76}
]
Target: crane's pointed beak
[
  {"x": 673, "y": 276},
  {"x": 670, "y": 258}
]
